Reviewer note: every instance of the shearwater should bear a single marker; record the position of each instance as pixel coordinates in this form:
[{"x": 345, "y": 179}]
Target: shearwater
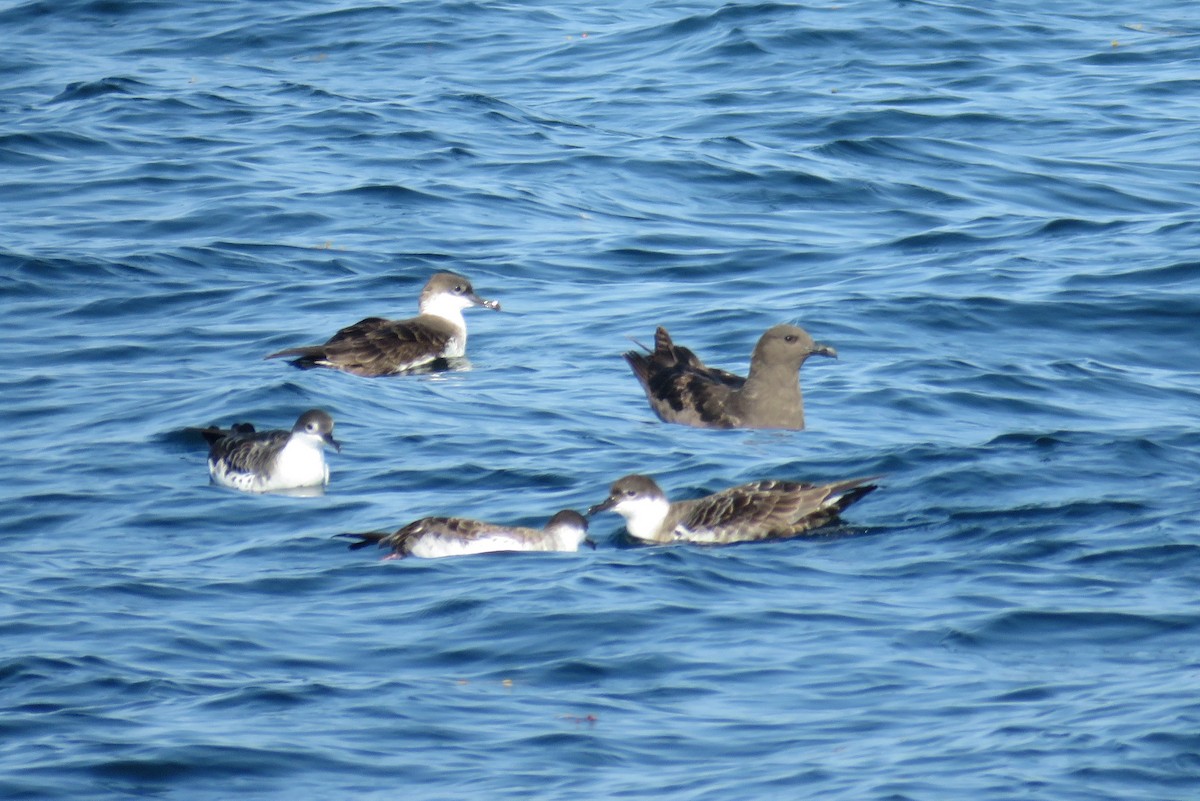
[
  {"x": 377, "y": 346},
  {"x": 759, "y": 510},
  {"x": 434, "y": 537}
]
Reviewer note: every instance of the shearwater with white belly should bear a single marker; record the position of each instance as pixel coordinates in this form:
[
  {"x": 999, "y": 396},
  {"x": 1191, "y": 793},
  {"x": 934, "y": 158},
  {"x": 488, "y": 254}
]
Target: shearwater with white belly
[
  {"x": 269, "y": 461},
  {"x": 760, "y": 510},
  {"x": 435, "y": 537}
]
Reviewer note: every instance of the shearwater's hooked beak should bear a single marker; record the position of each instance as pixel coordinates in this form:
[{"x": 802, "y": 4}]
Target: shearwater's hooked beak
[
  {"x": 589, "y": 542},
  {"x": 494, "y": 305},
  {"x": 603, "y": 506},
  {"x": 329, "y": 440},
  {"x": 821, "y": 349}
]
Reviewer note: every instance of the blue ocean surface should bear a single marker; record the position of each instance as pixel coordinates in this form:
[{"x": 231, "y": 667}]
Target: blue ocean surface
[{"x": 991, "y": 210}]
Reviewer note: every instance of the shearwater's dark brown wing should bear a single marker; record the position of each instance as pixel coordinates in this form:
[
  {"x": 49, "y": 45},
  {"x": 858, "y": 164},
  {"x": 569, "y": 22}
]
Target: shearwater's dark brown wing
[
  {"x": 377, "y": 346},
  {"x": 766, "y": 510}
]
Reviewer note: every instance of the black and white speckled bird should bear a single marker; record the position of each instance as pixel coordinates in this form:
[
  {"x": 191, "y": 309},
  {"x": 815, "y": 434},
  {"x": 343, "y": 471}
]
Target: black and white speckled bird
[
  {"x": 269, "y": 461},
  {"x": 435, "y": 537},
  {"x": 377, "y": 346},
  {"x": 682, "y": 389},
  {"x": 760, "y": 510}
]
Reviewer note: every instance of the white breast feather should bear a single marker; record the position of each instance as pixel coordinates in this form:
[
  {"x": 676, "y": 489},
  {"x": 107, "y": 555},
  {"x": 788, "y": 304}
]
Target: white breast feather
[
  {"x": 644, "y": 516},
  {"x": 301, "y": 463}
]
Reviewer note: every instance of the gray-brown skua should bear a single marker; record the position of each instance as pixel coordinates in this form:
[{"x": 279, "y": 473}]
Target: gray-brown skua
[
  {"x": 377, "y": 346},
  {"x": 682, "y": 389},
  {"x": 435, "y": 537},
  {"x": 760, "y": 510}
]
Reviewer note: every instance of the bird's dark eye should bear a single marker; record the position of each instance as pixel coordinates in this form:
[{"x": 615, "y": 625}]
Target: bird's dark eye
[
  {"x": 790, "y": 338},
  {"x": 458, "y": 290}
]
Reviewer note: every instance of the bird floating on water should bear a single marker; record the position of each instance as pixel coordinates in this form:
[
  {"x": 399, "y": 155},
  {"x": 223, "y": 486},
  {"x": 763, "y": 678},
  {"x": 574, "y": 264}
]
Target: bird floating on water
[
  {"x": 435, "y": 537},
  {"x": 682, "y": 389},
  {"x": 377, "y": 346},
  {"x": 269, "y": 461},
  {"x": 760, "y": 510}
]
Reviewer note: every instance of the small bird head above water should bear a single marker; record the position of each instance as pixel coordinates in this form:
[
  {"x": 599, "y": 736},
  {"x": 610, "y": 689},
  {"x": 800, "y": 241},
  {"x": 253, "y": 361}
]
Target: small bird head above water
[
  {"x": 628, "y": 494},
  {"x": 571, "y": 527},
  {"x": 643, "y": 505},
  {"x": 449, "y": 292},
  {"x": 318, "y": 424}
]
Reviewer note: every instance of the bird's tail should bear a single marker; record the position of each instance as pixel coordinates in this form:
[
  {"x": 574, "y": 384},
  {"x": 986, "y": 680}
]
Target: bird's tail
[
  {"x": 365, "y": 539},
  {"x": 639, "y": 364},
  {"x": 305, "y": 357},
  {"x": 844, "y": 493}
]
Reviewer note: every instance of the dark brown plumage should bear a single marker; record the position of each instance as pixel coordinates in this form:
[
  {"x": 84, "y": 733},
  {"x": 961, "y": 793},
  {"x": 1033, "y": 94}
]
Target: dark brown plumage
[
  {"x": 377, "y": 346},
  {"x": 682, "y": 389}
]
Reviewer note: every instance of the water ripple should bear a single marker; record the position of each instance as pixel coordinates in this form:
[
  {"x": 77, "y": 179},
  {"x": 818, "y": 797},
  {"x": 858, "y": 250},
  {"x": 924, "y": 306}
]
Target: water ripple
[{"x": 990, "y": 213}]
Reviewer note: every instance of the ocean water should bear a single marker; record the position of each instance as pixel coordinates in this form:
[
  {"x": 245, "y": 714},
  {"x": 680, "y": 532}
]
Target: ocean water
[{"x": 991, "y": 210}]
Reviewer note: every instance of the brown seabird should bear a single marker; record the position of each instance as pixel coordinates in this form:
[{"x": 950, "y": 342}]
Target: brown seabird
[
  {"x": 376, "y": 346},
  {"x": 760, "y": 510},
  {"x": 435, "y": 537},
  {"x": 681, "y": 389},
  {"x": 268, "y": 461}
]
